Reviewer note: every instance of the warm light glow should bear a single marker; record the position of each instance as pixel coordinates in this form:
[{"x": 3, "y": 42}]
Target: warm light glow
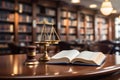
[
  {"x": 119, "y": 16},
  {"x": 93, "y": 6},
  {"x": 75, "y": 1},
  {"x": 106, "y": 8},
  {"x": 114, "y": 11}
]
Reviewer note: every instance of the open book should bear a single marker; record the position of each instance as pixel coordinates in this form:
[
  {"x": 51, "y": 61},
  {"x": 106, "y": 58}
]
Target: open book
[{"x": 76, "y": 57}]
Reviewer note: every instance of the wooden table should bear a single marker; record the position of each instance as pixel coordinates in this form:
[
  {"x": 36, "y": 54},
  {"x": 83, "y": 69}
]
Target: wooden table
[{"x": 12, "y": 67}]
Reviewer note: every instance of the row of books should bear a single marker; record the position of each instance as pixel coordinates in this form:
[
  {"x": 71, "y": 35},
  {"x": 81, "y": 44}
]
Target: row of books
[
  {"x": 73, "y": 23},
  {"x": 69, "y": 22},
  {"x": 25, "y": 28},
  {"x": 25, "y": 37},
  {"x": 103, "y": 37},
  {"x": 6, "y": 38},
  {"x": 25, "y": 8},
  {"x": 89, "y": 31},
  {"x": 100, "y": 20},
  {"x": 101, "y": 24},
  {"x": 72, "y": 31},
  {"x": 90, "y": 37},
  {"x": 81, "y": 24},
  {"x": 6, "y": 5},
  {"x": 6, "y": 27},
  {"x": 63, "y": 30},
  {"x": 9, "y": 38},
  {"x": 5, "y": 51},
  {"x": 3, "y": 46},
  {"x": 104, "y": 31},
  {"x": 50, "y": 12},
  {"x": 25, "y": 18},
  {"x": 10, "y": 6},
  {"x": 39, "y": 29},
  {"x": 82, "y": 31},
  {"x": 6, "y": 16},
  {"x": 89, "y": 25},
  {"x": 72, "y": 37},
  {"x": 63, "y": 37},
  {"x": 49, "y": 19},
  {"x": 82, "y": 37},
  {"x": 88, "y": 18},
  {"x": 70, "y": 15},
  {"x": 46, "y": 11},
  {"x": 64, "y": 14}
]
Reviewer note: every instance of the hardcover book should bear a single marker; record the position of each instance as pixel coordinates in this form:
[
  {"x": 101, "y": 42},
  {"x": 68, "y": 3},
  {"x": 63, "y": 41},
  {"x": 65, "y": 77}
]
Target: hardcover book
[{"x": 76, "y": 57}]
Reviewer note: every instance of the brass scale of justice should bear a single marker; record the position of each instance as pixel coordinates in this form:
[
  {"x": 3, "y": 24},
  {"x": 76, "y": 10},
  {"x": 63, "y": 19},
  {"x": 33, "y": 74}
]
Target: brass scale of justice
[{"x": 47, "y": 37}]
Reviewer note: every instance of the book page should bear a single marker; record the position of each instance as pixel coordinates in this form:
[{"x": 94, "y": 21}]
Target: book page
[
  {"x": 117, "y": 59},
  {"x": 87, "y": 55},
  {"x": 70, "y": 54},
  {"x": 100, "y": 58},
  {"x": 90, "y": 57}
]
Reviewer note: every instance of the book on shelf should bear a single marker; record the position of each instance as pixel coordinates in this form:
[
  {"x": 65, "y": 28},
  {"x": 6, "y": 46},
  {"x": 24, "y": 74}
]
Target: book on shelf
[
  {"x": 82, "y": 31},
  {"x": 64, "y": 14},
  {"x": 79, "y": 58},
  {"x": 10, "y": 28},
  {"x": 73, "y": 15},
  {"x": 25, "y": 18},
  {"x": 74, "y": 23},
  {"x": 25, "y": 8},
  {"x": 72, "y": 30},
  {"x": 6, "y": 4},
  {"x": 69, "y": 14},
  {"x": 50, "y": 12},
  {"x": 64, "y": 22},
  {"x": 63, "y": 30},
  {"x": 63, "y": 37},
  {"x": 72, "y": 37}
]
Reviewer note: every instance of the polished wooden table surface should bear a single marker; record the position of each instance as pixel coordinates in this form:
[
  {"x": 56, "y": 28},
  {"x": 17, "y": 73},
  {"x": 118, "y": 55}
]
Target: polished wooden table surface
[{"x": 12, "y": 67}]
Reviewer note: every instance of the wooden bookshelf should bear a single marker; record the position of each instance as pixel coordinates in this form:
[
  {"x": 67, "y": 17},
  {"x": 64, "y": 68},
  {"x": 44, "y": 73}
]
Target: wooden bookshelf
[
  {"x": 47, "y": 12},
  {"x": 6, "y": 24},
  {"x": 86, "y": 27},
  {"x": 81, "y": 26},
  {"x": 19, "y": 22},
  {"x": 25, "y": 22},
  {"x": 89, "y": 27},
  {"x": 69, "y": 23},
  {"x": 102, "y": 28}
]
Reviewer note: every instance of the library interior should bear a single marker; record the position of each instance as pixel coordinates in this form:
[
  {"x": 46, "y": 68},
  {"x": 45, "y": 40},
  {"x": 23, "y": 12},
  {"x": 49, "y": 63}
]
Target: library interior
[{"x": 32, "y": 31}]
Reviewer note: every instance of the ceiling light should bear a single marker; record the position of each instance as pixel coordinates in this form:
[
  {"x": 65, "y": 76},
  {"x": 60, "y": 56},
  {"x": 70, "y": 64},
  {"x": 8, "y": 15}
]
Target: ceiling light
[
  {"x": 106, "y": 8},
  {"x": 75, "y": 1},
  {"x": 93, "y": 6}
]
